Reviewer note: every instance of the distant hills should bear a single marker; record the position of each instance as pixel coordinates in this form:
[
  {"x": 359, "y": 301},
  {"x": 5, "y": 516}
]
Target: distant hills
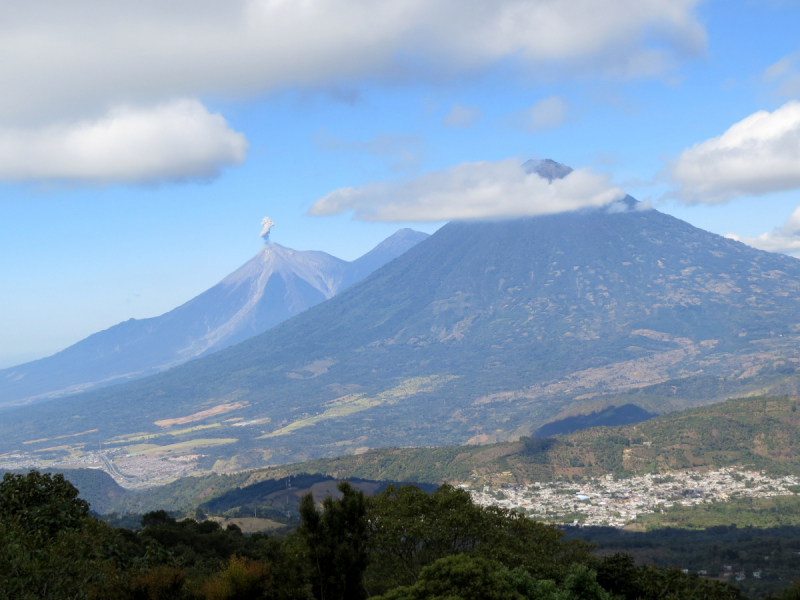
[
  {"x": 483, "y": 332},
  {"x": 608, "y": 417},
  {"x": 759, "y": 433},
  {"x": 274, "y": 285},
  {"x": 762, "y": 433}
]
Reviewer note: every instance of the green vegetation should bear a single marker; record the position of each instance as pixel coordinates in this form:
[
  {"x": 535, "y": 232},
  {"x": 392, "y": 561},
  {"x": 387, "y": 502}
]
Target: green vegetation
[
  {"x": 96, "y": 486},
  {"x": 401, "y": 544},
  {"x": 257, "y": 494},
  {"x": 720, "y": 551},
  {"x": 49, "y": 542},
  {"x": 778, "y": 511},
  {"x": 607, "y": 417},
  {"x": 240, "y": 495},
  {"x": 464, "y": 576},
  {"x": 761, "y": 433}
]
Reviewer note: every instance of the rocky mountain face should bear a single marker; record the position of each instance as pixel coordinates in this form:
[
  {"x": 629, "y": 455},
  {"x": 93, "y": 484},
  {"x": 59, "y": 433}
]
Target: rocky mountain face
[
  {"x": 483, "y": 332},
  {"x": 277, "y": 283},
  {"x": 547, "y": 169}
]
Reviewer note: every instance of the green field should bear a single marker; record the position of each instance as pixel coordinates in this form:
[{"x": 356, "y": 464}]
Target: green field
[{"x": 778, "y": 511}]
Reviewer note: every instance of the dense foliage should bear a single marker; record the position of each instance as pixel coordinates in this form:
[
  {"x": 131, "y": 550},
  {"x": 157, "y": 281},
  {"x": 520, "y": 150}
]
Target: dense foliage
[
  {"x": 727, "y": 552},
  {"x": 401, "y": 544},
  {"x": 96, "y": 486}
]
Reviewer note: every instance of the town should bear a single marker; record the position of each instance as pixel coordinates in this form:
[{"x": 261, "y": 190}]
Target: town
[
  {"x": 130, "y": 470},
  {"x": 617, "y": 502}
]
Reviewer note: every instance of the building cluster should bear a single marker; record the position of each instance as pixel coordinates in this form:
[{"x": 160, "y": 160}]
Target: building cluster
[
  {"x": 141, "y": 471},
  {"x": 129, "y": 470},
  {"x": 20, "y": 461},
  {"x": 617, "y": 502}
]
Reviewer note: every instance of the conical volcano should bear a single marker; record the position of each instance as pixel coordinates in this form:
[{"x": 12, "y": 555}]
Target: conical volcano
[
  {"x": 277, "y": 283},
  {"x": 483, "y": 331}
]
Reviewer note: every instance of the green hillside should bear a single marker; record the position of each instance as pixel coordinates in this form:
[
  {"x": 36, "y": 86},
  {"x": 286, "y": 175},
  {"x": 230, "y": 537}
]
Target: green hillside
[
  {"x": 762, "y": 433},
  {"x": 488, "y": 329},
  {"x": 263, "y": 493}
]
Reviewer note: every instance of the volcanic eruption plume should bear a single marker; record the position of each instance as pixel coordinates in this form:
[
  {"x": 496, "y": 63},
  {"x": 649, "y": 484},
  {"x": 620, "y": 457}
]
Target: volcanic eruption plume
[{"x": 266, "y": 226}]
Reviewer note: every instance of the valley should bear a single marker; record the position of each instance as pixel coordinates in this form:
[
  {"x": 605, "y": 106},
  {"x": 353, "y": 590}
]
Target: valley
[
  {"x": 759, "y": 436},
  {"x": 390, "y": 300}
]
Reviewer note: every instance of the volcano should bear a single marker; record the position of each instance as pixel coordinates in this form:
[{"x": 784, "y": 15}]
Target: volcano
[
  {"x": 482, "y": 332},
  {"x": 277, "y": 283}
]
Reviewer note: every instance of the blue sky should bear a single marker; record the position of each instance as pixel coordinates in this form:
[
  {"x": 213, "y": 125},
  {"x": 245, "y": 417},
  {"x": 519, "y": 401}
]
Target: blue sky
[{"x": 142, "y": 145}]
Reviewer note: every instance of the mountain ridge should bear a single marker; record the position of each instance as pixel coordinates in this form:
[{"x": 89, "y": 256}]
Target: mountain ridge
[
  {"x": 489, "y": 330},
  {"x": 275, "y": 284}
]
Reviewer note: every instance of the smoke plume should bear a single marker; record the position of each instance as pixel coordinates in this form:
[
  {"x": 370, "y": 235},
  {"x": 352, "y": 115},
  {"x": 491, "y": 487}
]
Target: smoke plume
[{"x": 266, "y": 226}]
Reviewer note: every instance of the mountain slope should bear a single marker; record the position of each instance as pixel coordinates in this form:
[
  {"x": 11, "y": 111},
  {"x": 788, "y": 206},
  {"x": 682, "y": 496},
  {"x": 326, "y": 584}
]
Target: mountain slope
[
  {"x": 482, "y": 332},
  {"x": 274, "y": 285},
  {"x": 758, "y": 433}
]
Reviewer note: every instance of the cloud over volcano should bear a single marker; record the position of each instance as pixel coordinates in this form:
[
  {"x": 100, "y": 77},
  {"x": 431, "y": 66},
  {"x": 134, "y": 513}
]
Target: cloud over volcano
[{"x": 489, "y": 189}]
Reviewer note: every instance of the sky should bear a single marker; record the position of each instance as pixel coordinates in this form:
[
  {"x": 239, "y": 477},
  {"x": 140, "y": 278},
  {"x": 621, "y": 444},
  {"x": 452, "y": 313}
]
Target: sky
[{"x": 142, "y": 144}]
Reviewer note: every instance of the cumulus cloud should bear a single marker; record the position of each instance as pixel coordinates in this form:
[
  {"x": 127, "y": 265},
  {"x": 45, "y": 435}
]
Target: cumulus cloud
[
  {"x": 471, "y": 191},
  {"x": 548, "y": 113},
  {"x": 784, "y": 239},
  {"x": 172, "y": 141},
  {"x": 756, "y": 156},
  {"x": 462, "y": 116},
  {"x": 83, "y": 56}
]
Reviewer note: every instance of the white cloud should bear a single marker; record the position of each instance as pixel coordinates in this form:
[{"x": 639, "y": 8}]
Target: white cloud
[
  {"x": 756, "y": 156},
  {"x": 784, "y": 239},
  {"x": 785, "y": 75},
  {"x": 548, "y": 113},
  {"x": 172, "y": 141},
  {"x": 470, "y": 191},
  {"x": 63, "y": 59},
  {"x": 462, "y": 116}
]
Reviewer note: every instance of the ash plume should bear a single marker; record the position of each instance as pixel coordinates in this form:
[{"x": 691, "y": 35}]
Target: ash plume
[{"x": 266, "y": 226}]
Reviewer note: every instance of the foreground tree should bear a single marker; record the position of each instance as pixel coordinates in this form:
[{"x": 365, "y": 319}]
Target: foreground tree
[
  {"x": 241, "y": 579},
  {"x": 49, "y": 546},
  {"x": 671, "y": 584},
  {"x": 464, "y": 577},
  {"x": 404, "y": 543},
  {"x": 411, "y": 529},
  {"x": 41, "y": 504},
  {"x": 336, "y": 543},
  {"x": 458, "y": 577}
]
